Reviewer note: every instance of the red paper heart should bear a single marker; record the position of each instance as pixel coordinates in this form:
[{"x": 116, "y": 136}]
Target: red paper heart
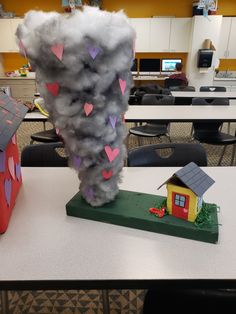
[
  {"x": 53, "y": 88},
  {"x": 107, "y": 174},
  {"x": 88, "y": 108},
  {"x": 111, "y": 154}
]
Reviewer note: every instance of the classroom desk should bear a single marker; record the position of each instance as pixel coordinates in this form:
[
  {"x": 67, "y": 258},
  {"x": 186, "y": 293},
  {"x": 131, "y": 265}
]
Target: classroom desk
[
  {"x": 36, "y": 116},
  {"x": 139, "y": 80},
  {"x": 181, "y": 113},
  {"x": 45, "y": 249},
  {"x": 149, "y": 78},
  {"x": 230, "y": 95}
]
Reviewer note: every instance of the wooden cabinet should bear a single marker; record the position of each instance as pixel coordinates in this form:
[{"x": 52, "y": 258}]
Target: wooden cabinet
[
  {"x": 162, "y": 34},
  {"x": 227, "y": 47},
  {"x": 7, "y": 34},
  {"x": 21, "y": 88}
]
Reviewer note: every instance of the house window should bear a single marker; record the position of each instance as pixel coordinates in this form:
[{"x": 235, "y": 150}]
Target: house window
[{"x": 180, "y": 200}]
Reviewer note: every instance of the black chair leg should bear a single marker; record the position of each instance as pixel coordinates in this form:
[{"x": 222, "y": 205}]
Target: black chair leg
[
  {"x": 233, "y": 155},
  {"x": 221, "y": 156}
]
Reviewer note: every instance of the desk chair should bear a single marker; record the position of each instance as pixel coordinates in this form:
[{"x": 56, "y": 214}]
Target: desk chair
[
  {"x": 215, "y": 89},
  {"x": 210, "y": 299},
  {"x": 43, "y": 155},
  {"x": 172, "y": 82},
  {"x": 212, "y": 89},
  {"x": 179, "y": 156},
  {"x": 208, "y": 132},
  {"x": 153, "y": 129},
  {"x": 48, "y": 136}
]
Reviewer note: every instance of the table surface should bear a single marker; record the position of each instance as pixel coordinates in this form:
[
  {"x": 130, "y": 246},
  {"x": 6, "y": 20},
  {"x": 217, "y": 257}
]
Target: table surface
[
  {"x": 181, "y": 113},
  {"x": 230, "y": 95},
  {"x": 149, "y": 78},
  {"x": 42, "y": 245},
  {"x": 35, "y": 116}
]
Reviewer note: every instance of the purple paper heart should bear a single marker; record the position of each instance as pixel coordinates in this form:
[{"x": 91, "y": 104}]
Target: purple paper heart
[
  {"x": 113, "y": 120},
  {"x": 77, "y": 161},
  {"x": 2, "y": 161},
  {"x": 7, "y": 188},
  {"x": 94, "y": 51},
  {"x": 18, "y": 172},
  {"x": 89, "y": 193}
]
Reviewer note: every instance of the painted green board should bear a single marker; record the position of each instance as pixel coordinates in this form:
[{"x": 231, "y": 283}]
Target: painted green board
[{"x": 131, "y": 209}]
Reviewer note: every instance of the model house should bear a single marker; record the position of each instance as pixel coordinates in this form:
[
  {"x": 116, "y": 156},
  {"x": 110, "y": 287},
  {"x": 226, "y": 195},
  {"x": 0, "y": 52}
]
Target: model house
[
  {"x": 185, "y": 191},
  {"x": 11, "y": 115}
]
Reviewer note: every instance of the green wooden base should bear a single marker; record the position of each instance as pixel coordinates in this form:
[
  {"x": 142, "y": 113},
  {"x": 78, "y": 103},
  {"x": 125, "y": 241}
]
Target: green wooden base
[{"x": 131, "y": 209}]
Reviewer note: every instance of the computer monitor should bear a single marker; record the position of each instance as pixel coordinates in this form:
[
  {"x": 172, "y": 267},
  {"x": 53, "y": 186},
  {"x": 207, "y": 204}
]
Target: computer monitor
[
  {"x": 168, "y": 65},
  {"x": 134, "y": 68},
  {"x": 149, "y": 66}
]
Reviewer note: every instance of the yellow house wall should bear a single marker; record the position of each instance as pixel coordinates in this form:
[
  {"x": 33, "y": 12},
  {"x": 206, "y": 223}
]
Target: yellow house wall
[
  {"x": 133, "y": 8},
  {"x": 193, "y": 199}
]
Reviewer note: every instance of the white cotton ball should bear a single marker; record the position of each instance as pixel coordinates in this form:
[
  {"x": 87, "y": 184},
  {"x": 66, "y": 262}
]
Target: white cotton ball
[{"x": 96, "y": 59}]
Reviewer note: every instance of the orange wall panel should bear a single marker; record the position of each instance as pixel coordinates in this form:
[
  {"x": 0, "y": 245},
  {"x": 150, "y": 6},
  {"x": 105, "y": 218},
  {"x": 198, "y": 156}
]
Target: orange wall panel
[
  {"x": 13, "y": 61},
  {"x": 133, "y": 8},
  {"x": 227, "y": 64}
]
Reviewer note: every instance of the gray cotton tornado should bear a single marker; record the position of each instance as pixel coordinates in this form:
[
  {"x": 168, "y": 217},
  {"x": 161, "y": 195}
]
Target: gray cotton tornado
[{"x": 82, "y": 65}]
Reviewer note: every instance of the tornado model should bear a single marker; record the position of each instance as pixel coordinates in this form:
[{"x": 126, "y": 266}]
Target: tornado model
[{"x": 82, "y": 65}]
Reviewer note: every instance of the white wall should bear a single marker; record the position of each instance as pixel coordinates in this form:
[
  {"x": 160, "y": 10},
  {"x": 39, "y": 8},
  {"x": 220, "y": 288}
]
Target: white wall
[{"x": 203, "y": 28}]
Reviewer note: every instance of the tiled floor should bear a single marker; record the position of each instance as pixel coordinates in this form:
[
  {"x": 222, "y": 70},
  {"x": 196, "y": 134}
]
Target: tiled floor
[{"x": 73, "y": 301}]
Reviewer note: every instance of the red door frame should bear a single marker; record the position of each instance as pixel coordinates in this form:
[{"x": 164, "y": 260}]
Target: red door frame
[{"x": 177, "y": 211}]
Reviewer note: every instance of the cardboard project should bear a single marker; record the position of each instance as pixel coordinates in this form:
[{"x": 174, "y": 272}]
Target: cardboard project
[{"x": 11, "y": 115}]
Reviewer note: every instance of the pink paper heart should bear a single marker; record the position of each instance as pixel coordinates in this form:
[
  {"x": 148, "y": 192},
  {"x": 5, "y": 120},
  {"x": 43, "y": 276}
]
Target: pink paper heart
[
  {"x": 22, "y": 48},
  {"x": 111, "y": 154},
  {"x": 13, "y": 139},
  {"x": 122, "y": 86},
  {"x": 107, "y": 174},
  {"x": 58, "y": 50},
  {"x": 11, "y": 167},
  {"x": 88, "y": 108},
  {"x": 53, "y": 88},
  {"x": 134, "y": 47},
  {"x": 123, "y": 117}
]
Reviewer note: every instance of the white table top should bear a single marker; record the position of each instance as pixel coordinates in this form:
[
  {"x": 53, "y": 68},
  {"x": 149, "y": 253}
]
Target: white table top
[
  {"x": 181, "y": 113},
  {"x": 44, "y": 244},
  {"x": 230, "y": 95},
  {"x": 35, "y": 115},
  {"x": 149, "y": 78}
]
